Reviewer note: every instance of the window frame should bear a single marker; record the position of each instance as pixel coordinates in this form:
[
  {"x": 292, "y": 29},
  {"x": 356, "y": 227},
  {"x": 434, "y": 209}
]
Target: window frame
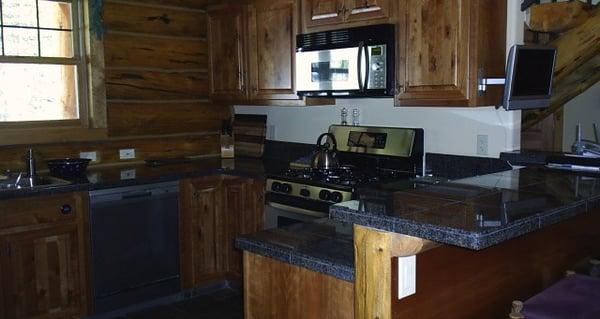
[{"x": 79, "y": 34}]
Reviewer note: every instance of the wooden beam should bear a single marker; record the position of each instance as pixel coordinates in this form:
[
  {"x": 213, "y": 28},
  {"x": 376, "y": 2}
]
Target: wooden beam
[
  {"x": 373, "y": 253},
  {"x": 556, "y": 16},
  {"x": 579, "y": 81},
  {"x": 577, "y": 67}
]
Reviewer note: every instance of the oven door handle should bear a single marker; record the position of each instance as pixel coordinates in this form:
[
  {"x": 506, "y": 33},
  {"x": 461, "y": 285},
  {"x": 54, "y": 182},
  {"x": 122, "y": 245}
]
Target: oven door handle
[{"x": 296, "y": 209}]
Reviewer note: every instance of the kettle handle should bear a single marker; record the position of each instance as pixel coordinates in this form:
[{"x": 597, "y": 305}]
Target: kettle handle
[{"x": 331, "y": 136}]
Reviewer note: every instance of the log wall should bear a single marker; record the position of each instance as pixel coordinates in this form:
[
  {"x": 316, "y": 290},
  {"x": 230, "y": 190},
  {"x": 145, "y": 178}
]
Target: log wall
[{"x": 155, "y": 54}]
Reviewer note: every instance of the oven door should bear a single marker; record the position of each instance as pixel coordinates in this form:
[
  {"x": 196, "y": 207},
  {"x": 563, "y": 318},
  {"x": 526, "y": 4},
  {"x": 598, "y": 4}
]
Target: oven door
[
  {"x": 329, "y": 72},
  {"x": 279, "y": 215}
]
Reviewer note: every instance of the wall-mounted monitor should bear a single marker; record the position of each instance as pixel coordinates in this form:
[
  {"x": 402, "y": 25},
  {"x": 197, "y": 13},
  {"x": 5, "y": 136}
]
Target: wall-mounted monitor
[{"x": 529, "y": 74}]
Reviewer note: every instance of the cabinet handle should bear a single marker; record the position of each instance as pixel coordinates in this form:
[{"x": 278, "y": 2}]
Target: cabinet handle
[{"x": 66, "y": 209}]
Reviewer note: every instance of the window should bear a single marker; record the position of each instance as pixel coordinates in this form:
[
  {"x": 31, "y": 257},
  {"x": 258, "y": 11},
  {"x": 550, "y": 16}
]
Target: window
[{"x": 41, "y": 64}]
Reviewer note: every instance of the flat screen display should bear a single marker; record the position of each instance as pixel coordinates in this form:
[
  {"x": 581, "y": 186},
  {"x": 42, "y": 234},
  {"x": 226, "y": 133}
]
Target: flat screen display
[{"x": 533, "y": 72}]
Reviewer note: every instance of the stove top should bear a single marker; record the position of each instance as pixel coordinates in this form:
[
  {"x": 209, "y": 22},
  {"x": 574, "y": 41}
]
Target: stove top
[{"x": 331, "y": 185}]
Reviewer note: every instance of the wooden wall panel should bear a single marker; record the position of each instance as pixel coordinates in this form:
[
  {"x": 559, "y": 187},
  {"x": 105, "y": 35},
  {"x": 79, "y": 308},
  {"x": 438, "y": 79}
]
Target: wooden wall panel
[
  {"x": 151, "y": 85},
  {"x": 155, "y": 55},
  {"x": 131, "y": 51},
  {"x": 166, "y": 118},
  {"x": 156, "y": 62},
  {"x": 155, "y": 20},
  {"x": 108, "y": 150}
]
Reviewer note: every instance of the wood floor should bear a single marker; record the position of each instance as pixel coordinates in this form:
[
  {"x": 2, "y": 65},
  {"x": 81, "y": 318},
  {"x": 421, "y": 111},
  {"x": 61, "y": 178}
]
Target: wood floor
[{"x": 225, "y": 303}]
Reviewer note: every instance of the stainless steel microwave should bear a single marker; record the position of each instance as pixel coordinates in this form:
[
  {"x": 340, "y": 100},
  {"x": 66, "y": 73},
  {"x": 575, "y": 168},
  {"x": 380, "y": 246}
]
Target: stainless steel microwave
[{"x": 356, "y": 62}]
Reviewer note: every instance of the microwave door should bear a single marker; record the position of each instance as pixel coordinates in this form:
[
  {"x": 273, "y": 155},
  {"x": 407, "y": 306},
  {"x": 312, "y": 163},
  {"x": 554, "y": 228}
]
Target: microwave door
[{"x": 328, "y": 70}]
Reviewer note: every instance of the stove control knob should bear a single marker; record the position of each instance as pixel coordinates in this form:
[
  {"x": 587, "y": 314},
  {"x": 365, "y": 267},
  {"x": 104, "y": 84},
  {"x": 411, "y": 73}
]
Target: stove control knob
[
  {"x": 276, "y": 186},
  {"x": 286, "y": 188},
  {"x": 305, "y": 192},
  {"x": 325, "y": 195},
  {"x": 336, "y": 197}
]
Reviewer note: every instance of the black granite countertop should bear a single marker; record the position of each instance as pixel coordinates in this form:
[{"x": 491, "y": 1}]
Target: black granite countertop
[
  {"x": 137, "y": 174},
  {"x": 324, "y": 245},
  {"x": 475, "y": 212}
]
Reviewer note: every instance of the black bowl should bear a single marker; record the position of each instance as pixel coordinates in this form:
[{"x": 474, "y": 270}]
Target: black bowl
[{"x": 67, "y": 167}]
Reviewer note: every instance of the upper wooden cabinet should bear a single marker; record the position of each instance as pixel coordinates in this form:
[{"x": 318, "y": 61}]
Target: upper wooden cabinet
[
  {"x": 443, "y": 46},
  {"x": 252, "y": 53},
  {"x": 331, "y": 14},
  {"x": 273, "y": 25},
  {"x": 43, "y": 257},
  {"x": 227, "y": 52}
]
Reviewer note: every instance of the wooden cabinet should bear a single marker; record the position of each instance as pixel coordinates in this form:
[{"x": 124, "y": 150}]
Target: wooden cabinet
[
  {"x": 252, "y": 51},
  {"x": 330, "y": 14},
  {"x": 43, "y": 257},
  {"x": 273, "y": 25},
  {"x": 215, "y": 210},
  {"x": 227, "y": 52},
  {"x": 443, "y": 45}
]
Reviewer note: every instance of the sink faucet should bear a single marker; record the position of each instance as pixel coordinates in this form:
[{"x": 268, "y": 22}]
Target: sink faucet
[
  {"x": 582, "y": 147},
  {"x": 30, "y": 164}
]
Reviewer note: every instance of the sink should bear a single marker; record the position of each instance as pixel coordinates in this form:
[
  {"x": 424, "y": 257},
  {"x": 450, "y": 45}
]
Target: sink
[{"x": 39, "y": 182}]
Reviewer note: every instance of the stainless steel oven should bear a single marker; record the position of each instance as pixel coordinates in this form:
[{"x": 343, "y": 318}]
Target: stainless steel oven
[
  {"x": 357, "y": 62},
  {"x": 279, "y": 215}
]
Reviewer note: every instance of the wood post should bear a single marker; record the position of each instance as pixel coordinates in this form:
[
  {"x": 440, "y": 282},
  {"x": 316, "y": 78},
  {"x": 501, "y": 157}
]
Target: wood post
[{"x": 373, "y": 253}]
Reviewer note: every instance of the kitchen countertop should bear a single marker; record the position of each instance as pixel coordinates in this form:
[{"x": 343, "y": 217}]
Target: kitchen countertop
[
  {"x": 138, "y": 174},
  {"x": 476, "y": 212},
  {"x": 323, "y": 245},
  {"x": 472, "y": 213}
]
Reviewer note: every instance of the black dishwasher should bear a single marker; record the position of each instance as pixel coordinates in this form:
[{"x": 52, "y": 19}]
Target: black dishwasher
[{"x": 134, "y": 244}]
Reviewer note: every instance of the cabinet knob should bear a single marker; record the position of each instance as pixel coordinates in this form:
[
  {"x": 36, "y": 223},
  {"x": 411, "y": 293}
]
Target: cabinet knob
[{"x": 66, "y": 209}]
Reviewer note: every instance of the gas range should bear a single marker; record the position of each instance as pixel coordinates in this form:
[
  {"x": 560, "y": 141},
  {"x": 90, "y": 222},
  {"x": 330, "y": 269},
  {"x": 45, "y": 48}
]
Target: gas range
[
  {"x": 370, "y": 157},
  {"x": 331, "y": 185}
]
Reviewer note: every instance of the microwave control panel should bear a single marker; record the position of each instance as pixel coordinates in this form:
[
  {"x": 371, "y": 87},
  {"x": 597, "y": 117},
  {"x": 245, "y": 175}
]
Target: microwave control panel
[{"x": 377, "y": 59}]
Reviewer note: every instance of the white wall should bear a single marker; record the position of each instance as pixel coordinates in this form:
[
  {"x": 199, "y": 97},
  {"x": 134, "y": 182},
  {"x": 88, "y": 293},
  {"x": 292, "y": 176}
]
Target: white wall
[
  {"x": 584, "y": 109},
  {"x": 447, "y": 130}
]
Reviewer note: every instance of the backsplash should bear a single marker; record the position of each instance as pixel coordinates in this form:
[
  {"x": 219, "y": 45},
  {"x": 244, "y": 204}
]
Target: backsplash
[{"x": 13, "y": 157}]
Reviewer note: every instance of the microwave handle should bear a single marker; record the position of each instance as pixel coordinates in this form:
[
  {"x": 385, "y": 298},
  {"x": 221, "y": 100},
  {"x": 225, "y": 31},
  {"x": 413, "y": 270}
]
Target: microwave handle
[
  {"x": 367, "y": 67},
  {"x": 359, "y": 65}
]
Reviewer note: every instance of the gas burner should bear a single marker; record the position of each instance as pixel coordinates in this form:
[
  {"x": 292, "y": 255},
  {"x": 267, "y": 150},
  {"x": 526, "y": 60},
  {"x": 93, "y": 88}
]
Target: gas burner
[{"x": 346, "y": 176}]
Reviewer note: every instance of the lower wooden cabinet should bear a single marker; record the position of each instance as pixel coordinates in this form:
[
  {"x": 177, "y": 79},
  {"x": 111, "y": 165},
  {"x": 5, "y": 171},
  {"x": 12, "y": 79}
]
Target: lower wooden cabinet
[
  {"x": 213, "y": 211},
  {"x": 43, "y": 257}
]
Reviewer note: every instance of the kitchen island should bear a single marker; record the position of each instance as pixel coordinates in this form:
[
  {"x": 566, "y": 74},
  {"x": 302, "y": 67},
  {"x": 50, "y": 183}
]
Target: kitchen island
[{"x": 478, "y": 244}]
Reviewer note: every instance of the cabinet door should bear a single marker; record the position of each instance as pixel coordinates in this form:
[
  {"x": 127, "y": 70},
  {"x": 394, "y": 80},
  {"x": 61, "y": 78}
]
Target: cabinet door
[
  {"x": 360, "y": 10},
  {"x": 322, "y": 12},
  {"x": 227, "y": 66},
  {"x": 244, "y": 207},
  {"x": 273, "y": 25},
  {"x": 40, "y": 273},
  {"x": 201, "y": 241},
  {"x": 433, "y": 51}
]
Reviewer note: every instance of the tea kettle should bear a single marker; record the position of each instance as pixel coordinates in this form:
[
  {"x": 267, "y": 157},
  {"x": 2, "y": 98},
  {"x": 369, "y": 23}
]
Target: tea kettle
[{"x": 324, "y": 158}]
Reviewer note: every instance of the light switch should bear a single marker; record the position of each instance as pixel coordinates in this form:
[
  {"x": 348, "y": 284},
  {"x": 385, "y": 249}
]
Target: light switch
[{"x": 407, "y": 276}]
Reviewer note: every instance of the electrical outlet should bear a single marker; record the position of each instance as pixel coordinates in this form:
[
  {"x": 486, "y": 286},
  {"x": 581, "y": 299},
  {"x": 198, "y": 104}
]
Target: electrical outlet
[
  {"x": 482, "y": 145},
  {"x": 128, "y": 174},
  {"x": 89, "y": 155},
  {"x": 128, "y": 153}
]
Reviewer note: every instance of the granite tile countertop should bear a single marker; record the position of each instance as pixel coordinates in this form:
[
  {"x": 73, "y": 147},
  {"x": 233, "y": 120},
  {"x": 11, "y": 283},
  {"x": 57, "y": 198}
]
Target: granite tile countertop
[
  {"x": 475, "y": 212},
  {"x": 137, "y": 174},
  {"x": 324, "y": 245}
]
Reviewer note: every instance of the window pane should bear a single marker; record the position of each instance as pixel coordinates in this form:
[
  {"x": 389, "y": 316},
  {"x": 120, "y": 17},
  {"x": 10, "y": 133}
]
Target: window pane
[
  {"x": 56, "y": 15},
  {"x": 19, "y": 12},
  {"x": 56, "y": 43},
  {"x": 38, "y": 92},
  {"x": 20, "y": 42}
]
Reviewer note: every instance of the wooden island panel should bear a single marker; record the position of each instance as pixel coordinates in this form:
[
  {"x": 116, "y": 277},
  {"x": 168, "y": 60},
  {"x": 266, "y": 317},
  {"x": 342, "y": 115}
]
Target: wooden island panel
[
  {"x": 274, "y": 289},
  {"x": 454, "y": 282}
]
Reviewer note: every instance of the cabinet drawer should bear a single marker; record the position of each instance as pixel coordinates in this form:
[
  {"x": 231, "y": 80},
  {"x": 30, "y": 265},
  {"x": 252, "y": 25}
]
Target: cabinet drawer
[{"x": 39, "y": 210}]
